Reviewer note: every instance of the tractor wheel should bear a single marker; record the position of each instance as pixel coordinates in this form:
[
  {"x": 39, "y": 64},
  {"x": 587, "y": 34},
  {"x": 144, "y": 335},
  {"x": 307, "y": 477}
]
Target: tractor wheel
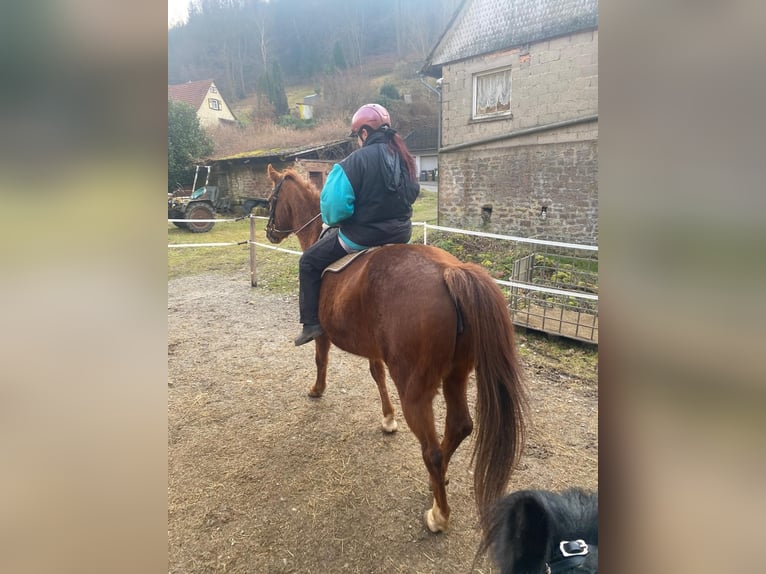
[
  {"x": 199, "y": 211},
  {"x": 175, "y": 214}
]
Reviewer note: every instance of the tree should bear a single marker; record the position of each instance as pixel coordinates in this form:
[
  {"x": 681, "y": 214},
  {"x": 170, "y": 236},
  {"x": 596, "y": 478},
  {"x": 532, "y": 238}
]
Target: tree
[
  {"x": 338, "y": 59},
  {"x": 187, "y": 142},
  {"x": 271, "y": 85}
]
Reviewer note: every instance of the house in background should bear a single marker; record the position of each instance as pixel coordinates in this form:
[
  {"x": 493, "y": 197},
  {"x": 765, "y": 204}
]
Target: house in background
[
  {"x": 519, "y": 118},
  {"x": 204, "y": 97},
  {"x": 423, "y": 144}
]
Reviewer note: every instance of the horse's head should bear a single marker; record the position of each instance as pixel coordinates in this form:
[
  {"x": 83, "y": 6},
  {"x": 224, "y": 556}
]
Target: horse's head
[
  {"x": 278, "y": 217},
  {"x": 544, "y": 532},
  {"x": 293, "y": 208}
]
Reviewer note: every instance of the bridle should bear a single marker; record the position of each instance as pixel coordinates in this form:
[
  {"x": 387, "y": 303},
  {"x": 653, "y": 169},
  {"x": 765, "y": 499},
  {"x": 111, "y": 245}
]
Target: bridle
[
  {"x": 571, "y": 554},
  {"x": 270, "y": 229}
]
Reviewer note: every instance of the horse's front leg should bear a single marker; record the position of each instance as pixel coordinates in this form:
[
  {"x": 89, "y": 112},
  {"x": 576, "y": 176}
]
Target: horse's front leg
[
  {"x": 378, "y": 371},
  {"x": 321, "y": 356}
]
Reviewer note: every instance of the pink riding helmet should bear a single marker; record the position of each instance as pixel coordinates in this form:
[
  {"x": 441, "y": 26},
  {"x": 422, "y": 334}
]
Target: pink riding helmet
[{"x": 371, "y": 115}]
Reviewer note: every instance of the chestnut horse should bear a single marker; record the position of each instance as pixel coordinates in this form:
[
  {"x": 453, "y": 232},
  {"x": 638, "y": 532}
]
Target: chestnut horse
[{"x": 430, "y": 319}]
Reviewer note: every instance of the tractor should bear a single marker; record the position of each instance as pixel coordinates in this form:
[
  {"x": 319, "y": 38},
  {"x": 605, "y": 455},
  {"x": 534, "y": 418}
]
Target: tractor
[{"x": 200, "y": 204}]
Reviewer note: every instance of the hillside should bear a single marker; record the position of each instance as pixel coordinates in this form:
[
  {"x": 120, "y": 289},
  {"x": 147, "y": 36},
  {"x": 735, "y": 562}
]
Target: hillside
[
  {"x": 384, "y": 79},
  {"x": 350, "y": 53}
]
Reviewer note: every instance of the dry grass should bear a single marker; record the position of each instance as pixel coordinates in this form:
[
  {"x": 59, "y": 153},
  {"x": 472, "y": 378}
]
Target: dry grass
[{"x": 230, "y": 140}]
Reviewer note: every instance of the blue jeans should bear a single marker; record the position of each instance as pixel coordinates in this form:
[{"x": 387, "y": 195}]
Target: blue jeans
[{"x": 313, "y": 261}]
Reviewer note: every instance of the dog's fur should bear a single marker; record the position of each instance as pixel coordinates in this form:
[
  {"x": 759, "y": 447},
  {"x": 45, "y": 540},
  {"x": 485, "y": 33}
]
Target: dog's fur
[{"x": 527, "y": 527}]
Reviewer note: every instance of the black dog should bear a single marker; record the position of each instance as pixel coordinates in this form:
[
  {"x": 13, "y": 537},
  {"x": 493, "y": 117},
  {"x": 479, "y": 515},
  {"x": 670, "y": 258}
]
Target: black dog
[{"x": 538, "y": 532}]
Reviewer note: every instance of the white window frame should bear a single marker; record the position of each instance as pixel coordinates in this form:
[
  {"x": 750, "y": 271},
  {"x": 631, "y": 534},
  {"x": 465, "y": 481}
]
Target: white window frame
[
  {"x": 494, "y": 85},
  {"x": 214, "y": 104},
  {"x": 213, "y": 90}
]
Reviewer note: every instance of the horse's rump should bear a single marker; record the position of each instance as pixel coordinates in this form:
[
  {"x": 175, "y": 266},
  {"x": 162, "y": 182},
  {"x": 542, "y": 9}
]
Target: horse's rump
[{"x": 392, "y": 302}]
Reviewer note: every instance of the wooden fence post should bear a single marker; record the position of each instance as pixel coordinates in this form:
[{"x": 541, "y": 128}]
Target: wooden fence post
[{"x": 253, "y": 275}]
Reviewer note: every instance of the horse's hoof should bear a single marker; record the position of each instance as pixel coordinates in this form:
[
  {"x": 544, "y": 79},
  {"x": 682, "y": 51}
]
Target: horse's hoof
[
  {"x": 435, "y": 521},
  {"x": 389, "y": 424},
  {"x": 314, "y": 394}
]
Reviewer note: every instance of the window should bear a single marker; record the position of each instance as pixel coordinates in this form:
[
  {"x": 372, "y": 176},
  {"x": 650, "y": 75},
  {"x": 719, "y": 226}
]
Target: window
[
  {"x": 492, "y": 94},
  {"x": 214, "y": 104},
  {"x": 213, "y": 90},
  {"x": 317, "y": 178}
]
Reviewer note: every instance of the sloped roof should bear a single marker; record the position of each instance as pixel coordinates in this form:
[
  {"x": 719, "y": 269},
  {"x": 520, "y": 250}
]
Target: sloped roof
[
  {"x": 290, "y": 153},
  {"x": 485, "y": 26},
  {"x": 192, "y": 93}
]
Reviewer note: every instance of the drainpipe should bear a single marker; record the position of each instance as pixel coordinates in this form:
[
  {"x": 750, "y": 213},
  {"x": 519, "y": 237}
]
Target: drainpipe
[{"x": 438, "y": 93}]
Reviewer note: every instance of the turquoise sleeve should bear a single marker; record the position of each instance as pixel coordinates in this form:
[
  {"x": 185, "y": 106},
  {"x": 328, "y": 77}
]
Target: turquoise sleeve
[{"x": 336, "y": 201}]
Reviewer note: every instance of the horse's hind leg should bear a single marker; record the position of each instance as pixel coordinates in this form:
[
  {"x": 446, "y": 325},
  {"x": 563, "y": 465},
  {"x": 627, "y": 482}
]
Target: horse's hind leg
[
  {"x": 417, "y": 407},
  {"x": 378, "y": 371},
  {"x": 458, "y": 425},
  {"x": 321, "y": 355}
]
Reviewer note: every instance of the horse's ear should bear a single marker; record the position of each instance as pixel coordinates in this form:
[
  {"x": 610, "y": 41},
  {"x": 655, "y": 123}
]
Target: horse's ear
[
  {"x": 273, "y": 174},
  {"x": 524, "y": 538}
]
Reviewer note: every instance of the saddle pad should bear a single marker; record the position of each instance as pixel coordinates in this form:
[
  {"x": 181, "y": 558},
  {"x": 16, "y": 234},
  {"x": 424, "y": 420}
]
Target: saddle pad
[{"x": 341, "y": 263}]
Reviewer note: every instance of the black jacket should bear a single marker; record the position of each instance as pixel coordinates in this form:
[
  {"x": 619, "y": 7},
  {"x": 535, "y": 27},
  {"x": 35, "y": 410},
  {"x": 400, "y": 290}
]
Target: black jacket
[{"x": 383, "y": 195}]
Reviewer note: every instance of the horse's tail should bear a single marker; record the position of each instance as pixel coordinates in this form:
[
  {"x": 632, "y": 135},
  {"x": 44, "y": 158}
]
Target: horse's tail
[{"x": 501, "y": 399}]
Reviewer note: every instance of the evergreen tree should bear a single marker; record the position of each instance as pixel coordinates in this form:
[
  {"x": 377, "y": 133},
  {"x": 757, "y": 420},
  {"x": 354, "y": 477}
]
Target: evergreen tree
[
  {"x": 272, "y": 86},
  {"x": 338, "y": 59},
  {"x": 187, "y": 142},
  {"x": 279, "y": 96}
]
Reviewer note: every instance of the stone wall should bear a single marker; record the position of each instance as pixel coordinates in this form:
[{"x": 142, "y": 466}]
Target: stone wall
[
  {"x": 241, "y": 181},
  {"x": 504, "y": 189}
]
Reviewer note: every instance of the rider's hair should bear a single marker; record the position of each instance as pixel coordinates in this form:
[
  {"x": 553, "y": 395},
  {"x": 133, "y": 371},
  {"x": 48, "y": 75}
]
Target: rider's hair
[{"x": 397, "y": 145}]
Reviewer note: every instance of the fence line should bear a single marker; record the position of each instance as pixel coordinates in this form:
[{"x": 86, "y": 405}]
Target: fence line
[
  {"x": 542, "y": 307},
  {"x": 274, "y": 248},
  {"x": 552, "y": 291},
  {"x": 510, "y": 237},
  {"x": 177, "y": 245},
  {"x": 205, "y": 220}
]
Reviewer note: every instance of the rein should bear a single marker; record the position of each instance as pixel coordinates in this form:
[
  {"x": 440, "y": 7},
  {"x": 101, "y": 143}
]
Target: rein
[{"x": 270, "y": 224}]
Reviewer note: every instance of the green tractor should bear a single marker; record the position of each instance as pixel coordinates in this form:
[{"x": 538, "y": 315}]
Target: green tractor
[{"x": 197, "y": 208}]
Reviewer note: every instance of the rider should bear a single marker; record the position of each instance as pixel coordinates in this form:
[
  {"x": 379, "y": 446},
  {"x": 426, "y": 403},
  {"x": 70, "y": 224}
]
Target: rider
[{"x": 366, "y": 201}]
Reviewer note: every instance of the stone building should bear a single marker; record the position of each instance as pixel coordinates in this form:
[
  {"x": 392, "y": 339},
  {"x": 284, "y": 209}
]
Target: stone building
[
  {"x": 244, "y": 176},
  {"x": 519, "y": 118}
]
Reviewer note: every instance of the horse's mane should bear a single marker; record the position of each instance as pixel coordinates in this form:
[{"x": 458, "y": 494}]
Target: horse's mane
[{"x": 290, "y": 173}]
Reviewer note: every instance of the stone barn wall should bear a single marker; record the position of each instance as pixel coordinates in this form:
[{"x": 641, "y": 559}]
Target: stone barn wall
[
  {"x": 504, "y": 189},
  {"x": 241, "y": 181}
]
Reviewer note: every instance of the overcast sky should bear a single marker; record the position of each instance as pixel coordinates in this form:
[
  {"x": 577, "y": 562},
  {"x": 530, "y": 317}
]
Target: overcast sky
[{"x": 177, "y": 10}]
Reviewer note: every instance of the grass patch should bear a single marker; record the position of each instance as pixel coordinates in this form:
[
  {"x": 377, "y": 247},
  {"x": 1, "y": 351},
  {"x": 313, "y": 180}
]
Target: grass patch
[
  {"x": 275, "y": 271},
  {"x": 578, "y": 360},
  {"x": 424, "y": 209}
]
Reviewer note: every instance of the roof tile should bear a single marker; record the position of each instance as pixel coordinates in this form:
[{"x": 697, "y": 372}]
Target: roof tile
[
  {"x": 485, "y": 26},
  {"x": 192, "y": 93}
]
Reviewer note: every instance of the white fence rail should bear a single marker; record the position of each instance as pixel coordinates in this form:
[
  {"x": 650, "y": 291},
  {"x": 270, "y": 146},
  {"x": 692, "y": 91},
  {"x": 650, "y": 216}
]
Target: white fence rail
[{"x": 553, "y": 285}]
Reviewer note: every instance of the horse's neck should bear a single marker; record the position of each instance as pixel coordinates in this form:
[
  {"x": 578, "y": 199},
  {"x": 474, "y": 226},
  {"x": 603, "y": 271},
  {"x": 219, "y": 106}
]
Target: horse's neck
[{"x": 308, "y": 208}]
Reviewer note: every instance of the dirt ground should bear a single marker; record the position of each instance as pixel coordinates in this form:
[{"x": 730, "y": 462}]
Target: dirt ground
[{"x": 263, "y": 479}]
